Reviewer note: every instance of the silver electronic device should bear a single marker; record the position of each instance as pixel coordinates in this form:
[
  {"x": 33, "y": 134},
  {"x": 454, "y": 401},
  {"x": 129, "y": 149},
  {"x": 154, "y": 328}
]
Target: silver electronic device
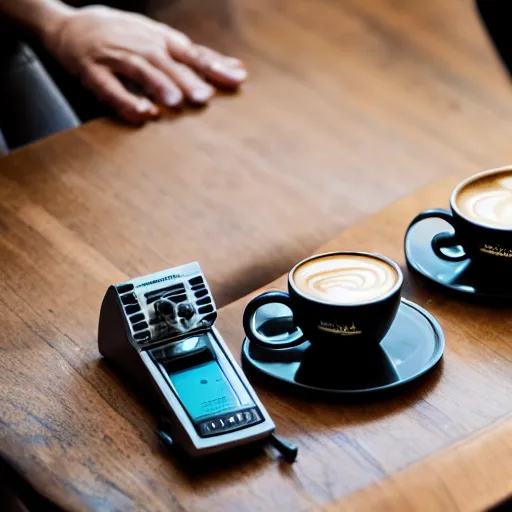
[{"x": 159, "y": 329}]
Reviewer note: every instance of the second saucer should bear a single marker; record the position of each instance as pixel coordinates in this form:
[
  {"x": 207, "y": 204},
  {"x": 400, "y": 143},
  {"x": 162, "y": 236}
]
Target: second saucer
[{"x": 460, "y": 277}]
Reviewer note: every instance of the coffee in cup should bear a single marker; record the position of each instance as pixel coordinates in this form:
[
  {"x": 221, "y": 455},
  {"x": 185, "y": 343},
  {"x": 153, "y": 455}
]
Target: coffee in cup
[
  {"x": 487, "y": 200},
  {"x": 343, "y": 299},
  {"x": 345, "y": 279},
  {"x": 481, "y": 216}
]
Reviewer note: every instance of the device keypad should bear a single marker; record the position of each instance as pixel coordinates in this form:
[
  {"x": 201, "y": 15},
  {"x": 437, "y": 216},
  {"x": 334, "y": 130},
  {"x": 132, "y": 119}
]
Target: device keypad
[{"x": 229, "y": 422}]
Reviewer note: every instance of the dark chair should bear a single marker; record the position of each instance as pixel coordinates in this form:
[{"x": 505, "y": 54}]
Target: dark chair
[
  {"x": 496, "y": 16},
  {"x": 31, "y": 105}
]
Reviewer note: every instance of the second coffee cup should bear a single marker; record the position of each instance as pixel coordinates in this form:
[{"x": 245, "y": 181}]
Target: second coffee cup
[
  {"x": 339, "y": 300},
  {"x": 481, "y": 218}
]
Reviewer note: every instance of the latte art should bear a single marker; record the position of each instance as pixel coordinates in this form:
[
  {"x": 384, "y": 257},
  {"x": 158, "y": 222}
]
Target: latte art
[
  {"x": 488, "y": 200},
  {"x": 345, "y": 279}
]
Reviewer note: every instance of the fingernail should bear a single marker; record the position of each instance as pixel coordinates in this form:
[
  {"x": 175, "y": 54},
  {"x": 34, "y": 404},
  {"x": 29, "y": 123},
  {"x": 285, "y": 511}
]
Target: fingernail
[
  {"x": 144, "y": 105},
  {"x": 233, "y": 73},
  {"x": 202, "y": 94},
  {"x": 172, "y": 98},
  {"x": 232, "y": 62}
]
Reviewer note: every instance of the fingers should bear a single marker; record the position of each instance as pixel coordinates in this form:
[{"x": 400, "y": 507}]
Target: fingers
[
  {"x": 192, "y": 85},
  {"x": 166, "y": 79},
  {"x": 108, "y": 88},
  {"x": 154, "y": 81},
  {"x": 222, "y": 70}
]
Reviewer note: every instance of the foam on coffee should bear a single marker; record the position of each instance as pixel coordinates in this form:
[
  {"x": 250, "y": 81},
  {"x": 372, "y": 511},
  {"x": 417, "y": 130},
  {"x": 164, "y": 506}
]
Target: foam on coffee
[
  {"x": 345, "y": 278},
  {"x": 488, "y": 200}
]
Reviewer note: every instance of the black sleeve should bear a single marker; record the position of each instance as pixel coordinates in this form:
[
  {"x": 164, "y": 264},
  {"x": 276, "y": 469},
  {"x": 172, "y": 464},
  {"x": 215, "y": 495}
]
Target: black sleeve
[
  {"x": 31, "y": 105},
  {"x": 497, "y": 18}
]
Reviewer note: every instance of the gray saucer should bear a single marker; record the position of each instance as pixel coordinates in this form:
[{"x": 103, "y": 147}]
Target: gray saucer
[{"x": 413, "y": 345}]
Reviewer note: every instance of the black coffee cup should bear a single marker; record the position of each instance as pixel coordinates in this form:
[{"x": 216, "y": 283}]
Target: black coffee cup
[
  {"x": 484, "y": 245},
  {"x": 361, "y": 325}
]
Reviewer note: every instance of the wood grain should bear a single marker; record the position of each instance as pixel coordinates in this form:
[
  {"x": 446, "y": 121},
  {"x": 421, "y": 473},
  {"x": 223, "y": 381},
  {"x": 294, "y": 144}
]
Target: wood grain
[
  {"x": 474, "y": 474},
  {"x": 350, "y": 106},
  {"x": 347, "y": 109}
]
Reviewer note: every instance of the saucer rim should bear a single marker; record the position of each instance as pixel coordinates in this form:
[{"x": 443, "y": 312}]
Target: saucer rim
[
  {"x": 412, "y": 265},
  {"x": 437, "y": 355}
]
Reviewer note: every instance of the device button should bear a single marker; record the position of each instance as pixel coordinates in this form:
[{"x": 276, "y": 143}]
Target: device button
[
  {"x": 132, "y": 308},
  {"x": 255, "y": 415},
  {"x": 213, "y": 427},
  {"x": 231, "y": 421},
  {"x": 142, "y": 337},
  {"x": 139, "y": 317},
  {"x": 186, "y": 310},
  {"x": 205, "y": 428},
  {"x": 196, "y": 280},
  {"x": 140, "y": 326},
  {"x": 208, "y": 427},
  {"x": 123, "y": 288},
  {"x": 164, "y": 306},
  {"x": 205, "y": 309},
  {"x": 128, "y": 299}
]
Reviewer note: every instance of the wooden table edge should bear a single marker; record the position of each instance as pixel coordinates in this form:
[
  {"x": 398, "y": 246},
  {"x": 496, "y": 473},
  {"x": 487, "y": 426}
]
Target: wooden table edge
[{"x": 472, "y": 474}]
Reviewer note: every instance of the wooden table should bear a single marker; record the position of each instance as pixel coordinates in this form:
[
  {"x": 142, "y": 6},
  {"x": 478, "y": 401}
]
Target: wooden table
[
  {"x": 75, "y": 433},
  {"x": 350, "y": 106}
]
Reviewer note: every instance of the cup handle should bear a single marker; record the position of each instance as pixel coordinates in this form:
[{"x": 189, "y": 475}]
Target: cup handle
[
  {"x": 442, "y": 240},
  {"x": 249, "y": 318}
]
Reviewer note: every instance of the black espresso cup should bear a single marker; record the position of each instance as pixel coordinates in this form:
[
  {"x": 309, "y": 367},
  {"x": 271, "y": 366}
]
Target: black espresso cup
[
  {"x": 342, "y": 300},
  {"x": 481, "y": 217}
]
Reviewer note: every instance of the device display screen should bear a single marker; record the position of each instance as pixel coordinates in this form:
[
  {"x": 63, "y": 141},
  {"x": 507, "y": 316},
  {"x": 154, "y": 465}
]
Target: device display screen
[{"x": 204, "y": 390}]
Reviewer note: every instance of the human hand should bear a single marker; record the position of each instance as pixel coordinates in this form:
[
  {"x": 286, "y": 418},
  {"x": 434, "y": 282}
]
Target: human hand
[{"x": 102, "y": 45}]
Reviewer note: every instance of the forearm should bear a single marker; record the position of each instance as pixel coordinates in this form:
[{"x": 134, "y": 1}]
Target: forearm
[{"x": 40, "y": 17}]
